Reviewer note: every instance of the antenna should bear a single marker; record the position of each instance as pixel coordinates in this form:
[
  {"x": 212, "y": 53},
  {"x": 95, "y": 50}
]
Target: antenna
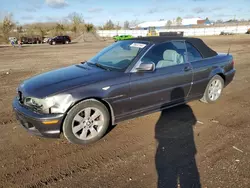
[
  {"x": 230, "y": 46},
  {"x": 232, "y": 36}
]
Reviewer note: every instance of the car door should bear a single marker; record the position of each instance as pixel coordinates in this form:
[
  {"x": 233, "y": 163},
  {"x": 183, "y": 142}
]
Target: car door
[
  {"x": 201, "y": 71},
  {"x": 60, "y": 39},
  {"x": 57, "y": 40},
  {"x": 170, "y": 82}
]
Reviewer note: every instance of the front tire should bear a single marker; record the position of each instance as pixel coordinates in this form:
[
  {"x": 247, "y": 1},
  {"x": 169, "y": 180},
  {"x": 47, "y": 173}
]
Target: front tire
[
  {"x": 213, "y": 90},
  {"x": 86, "y": 122}
]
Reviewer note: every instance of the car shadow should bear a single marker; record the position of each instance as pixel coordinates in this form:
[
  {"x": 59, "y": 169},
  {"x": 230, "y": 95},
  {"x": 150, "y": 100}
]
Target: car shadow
[
  {"x": 110, "y": 128},
  {"x": 73, "y": 42},
  {"x": 175, "y": 155}
]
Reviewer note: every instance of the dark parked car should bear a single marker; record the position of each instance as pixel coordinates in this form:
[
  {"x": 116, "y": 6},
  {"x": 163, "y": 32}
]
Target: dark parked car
[
  {"x": 60, "y": 40},
  {"x": 127, "y": 79},
  {"x": 31, "y": 40}
]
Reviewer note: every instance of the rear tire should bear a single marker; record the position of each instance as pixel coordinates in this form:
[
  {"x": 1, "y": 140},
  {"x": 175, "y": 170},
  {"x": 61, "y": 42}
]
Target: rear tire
[
  {"x": 66, "y": 42},
  {"x": 213, "y": 90},
  {"x": 86, "y": 122}
]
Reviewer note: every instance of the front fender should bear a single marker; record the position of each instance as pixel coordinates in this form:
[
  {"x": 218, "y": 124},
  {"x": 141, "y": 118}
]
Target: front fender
[
  {"x": 114, "y": 96},
  {"x": 106, "y": 103}
]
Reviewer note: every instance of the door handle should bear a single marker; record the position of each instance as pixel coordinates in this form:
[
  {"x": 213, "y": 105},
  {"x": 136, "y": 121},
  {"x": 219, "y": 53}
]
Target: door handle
[{"x": 187, "y": 68}]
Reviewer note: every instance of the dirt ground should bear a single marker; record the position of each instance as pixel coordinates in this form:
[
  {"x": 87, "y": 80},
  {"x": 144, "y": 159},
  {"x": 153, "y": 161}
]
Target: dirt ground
[{"x": 196, "y": 142}]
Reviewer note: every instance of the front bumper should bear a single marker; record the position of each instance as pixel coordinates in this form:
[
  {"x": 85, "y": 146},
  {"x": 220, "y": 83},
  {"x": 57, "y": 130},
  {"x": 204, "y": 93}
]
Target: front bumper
[{"x": 33, "y": 122}]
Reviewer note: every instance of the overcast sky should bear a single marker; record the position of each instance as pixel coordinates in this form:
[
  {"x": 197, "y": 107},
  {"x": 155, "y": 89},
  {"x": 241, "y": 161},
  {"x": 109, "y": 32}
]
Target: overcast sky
[{"x": 99, "y": 11}]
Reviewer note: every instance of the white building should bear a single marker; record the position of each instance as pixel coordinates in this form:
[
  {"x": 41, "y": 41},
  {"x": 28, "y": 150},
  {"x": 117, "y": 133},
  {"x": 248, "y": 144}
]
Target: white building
[
  {"x": 163, "y": 23},
  {"x": 191, "y": 21},
  {"x": 157, "y": 24}
]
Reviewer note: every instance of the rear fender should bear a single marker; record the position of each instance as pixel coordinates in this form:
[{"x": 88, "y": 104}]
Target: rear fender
[{"x": 218, "y": 71}]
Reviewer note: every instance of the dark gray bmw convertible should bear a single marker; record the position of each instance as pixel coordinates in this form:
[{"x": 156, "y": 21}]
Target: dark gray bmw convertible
[{"x": 127, "y": 79}]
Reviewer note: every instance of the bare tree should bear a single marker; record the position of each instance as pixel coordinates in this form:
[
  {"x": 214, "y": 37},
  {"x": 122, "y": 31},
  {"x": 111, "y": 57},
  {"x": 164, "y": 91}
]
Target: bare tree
[
  {"x": 109, "y": 25},
  {"x": 90, "y": 27},
  {"x": 1, "y": 27},
  {"x": 126, "y": 25},
  {"x": 59, "y": 29},
  {"x": 134, "y": 23},
  {"x": 41, "y": 30},
  {"x": 179, "y": 20},
  {"x": 19, "y": 30},
  {"x": 7, "y": 26},
  {"x": 169, "y": 23},
  {"x": 30, "y": 31},
  {"x": 117, "y": 26},
  {"x": 77, "y": 22}
]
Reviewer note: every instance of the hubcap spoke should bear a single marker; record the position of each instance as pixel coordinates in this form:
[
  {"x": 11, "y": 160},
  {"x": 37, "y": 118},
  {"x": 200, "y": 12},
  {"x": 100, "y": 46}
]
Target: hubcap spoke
[
  {"x": 78, "y": 118},
  {"x": 212, "y": 96},
  {"x": 83, "y": 135},
  {"x": 96, "y": 114},
  {"x": 87, "y": 113},
  {"x": 99, "y": 123},
  {"x": 77, "y": 128},
  {"x": 93, "y": 131}
]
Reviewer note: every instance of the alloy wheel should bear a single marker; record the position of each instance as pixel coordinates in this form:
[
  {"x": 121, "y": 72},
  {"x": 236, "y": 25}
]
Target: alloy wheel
[
  {"x": 215, "y": 89},
  {"x": 88, "y": 123}
]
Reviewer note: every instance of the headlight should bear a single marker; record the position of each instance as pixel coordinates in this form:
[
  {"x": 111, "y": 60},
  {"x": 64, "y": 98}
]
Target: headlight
[{"x": 54, "y": 104}]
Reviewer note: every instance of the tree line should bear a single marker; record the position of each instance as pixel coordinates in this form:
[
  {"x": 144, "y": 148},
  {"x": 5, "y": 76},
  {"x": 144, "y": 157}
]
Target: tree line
[{"x": 75, "y": 25}]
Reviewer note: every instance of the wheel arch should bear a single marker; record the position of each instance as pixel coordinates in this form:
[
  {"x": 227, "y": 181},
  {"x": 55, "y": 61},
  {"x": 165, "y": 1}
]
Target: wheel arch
[
  {"x": 222, "y": 76},
  {"x": 218, "y": 71},
  {"x": 107, "y": 105},
  {"x": 218, "y": 74}
]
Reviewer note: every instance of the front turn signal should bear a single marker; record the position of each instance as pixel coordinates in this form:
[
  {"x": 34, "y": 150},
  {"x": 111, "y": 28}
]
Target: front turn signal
[{"x": 50, "y": 122}]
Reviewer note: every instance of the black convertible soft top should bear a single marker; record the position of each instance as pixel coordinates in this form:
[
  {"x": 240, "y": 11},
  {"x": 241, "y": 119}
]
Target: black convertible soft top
[{"x": 196, "y": 42}]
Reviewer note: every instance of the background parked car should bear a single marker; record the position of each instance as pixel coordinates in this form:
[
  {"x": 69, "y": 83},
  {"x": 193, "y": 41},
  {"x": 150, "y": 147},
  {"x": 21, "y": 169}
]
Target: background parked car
[
  {"x": 248, "y": 31},
  {"x": 31, "y": 40},
  {"x": 122, "y": 37},
  {"x": 60, "y": 40},
  {"x": 45, "y": 40}
]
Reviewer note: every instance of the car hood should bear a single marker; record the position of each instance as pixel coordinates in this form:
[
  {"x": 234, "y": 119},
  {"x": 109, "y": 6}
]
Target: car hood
[{"x": 62, "y": 79}]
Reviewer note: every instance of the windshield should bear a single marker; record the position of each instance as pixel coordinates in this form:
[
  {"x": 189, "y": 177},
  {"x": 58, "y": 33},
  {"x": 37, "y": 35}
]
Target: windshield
[{"x": 119, "y": 55}]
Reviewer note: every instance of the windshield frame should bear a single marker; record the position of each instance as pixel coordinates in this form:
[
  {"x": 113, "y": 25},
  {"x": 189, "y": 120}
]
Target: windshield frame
[{"x": 132, "y": 62}]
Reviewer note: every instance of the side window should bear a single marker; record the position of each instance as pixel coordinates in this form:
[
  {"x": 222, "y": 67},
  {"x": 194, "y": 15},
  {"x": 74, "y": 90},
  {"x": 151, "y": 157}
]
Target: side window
[
  {"x": 192, "y": 53},
  {"x": 166, "y": 54}
]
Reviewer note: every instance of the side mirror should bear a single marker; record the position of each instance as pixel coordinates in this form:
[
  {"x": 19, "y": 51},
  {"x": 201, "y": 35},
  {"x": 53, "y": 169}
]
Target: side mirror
[{"x": 144, "y": 67}]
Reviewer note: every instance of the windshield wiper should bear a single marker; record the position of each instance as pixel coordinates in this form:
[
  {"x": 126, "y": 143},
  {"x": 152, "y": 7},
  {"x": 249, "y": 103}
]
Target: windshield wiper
[
  {"x": 87, "y": 62},
  {"x": 97, "y": 65},
  {"x": 102, "y": 67}
]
